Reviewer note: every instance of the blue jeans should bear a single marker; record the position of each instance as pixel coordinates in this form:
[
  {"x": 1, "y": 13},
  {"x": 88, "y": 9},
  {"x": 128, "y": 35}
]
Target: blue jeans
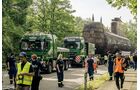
[{"x": 131, "y": 64}]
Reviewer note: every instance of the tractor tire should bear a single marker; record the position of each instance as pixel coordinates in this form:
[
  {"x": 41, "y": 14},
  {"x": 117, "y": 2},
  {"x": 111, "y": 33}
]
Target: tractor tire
[
  {"x": 49, "y": 70},
  {"x": 66, "y": 65}
]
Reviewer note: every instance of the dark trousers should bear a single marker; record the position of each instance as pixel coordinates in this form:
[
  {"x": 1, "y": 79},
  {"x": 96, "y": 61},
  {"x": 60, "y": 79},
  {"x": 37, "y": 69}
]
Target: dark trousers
[
  {"x": 12, "y": 79},
  {"x": 122, "y": 77},
  {"x": 131, "y": 64},
  {"x": 35, "y": 83},
  {"x": 135, "y": 67},
  {"x": 19, "y": 87},
  {"x": 110, "y": 74},
  {"x": 60, "y": 76},
  {"x": 105, "y": 62},
  {"x": 90, "y": 72}
]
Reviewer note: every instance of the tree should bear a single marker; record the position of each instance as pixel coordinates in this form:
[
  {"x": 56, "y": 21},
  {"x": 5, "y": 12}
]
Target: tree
[
  {"x": 13, "y": 25},
  {"x": 130, "y": 31},
  {"x": 130, "y": 4},
  {"x": 79, "y": 25},
  {"x": 53, "y": 16}
]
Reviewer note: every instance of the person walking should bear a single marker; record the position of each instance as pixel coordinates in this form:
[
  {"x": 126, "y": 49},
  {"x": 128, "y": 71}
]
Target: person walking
[
  {"x": 89, "y": 65},
  {"x": 95, "y": 65},
  {"x": 135, "y": 61},
  {"x": 36, "y": 68},
  {"x": 131, "y": 61},
  {"x": 11, "y": 67},
  {"x": 110, "y": 65},
  {"x": 119, "y": 66},
  {"x": 24, "y": 73},
  {"x": 98, "y": 60},
  {"x": 105, "y": 59},
  {"x": 127, "y": 61},
  {"x": 60, "y": 70}
]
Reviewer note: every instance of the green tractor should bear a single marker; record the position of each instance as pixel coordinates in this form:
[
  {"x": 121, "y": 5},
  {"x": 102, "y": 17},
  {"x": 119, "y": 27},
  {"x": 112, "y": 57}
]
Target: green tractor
[
  {"x": 79, "y": 49},
  {"x": 46, "y": 48}
]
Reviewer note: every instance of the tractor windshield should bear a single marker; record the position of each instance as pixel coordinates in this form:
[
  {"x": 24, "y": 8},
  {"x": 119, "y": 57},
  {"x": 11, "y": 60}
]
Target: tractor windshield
[
  {"x": 72, "y": 45},
  {"x": 34, "y": 45}
]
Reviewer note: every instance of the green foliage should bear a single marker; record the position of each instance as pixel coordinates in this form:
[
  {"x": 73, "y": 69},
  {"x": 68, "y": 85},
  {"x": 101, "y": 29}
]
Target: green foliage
[
  {"x": 53, "y": 16},
  {"x": 13, "y": 25},
  {"x": 130, "y": 30},
  {"x": 130, "y": 4},
  {"x": 79, "y": 25}
]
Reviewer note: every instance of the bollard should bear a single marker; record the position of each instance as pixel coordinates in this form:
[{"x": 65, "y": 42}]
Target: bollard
[{"x": 85, "y": 81}]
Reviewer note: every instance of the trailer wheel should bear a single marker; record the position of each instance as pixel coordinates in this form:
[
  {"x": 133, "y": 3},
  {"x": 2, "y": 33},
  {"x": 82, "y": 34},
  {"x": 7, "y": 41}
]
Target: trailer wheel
[
  {"x": 49, "y": 70},
  {"x": 82, "y": 65}
]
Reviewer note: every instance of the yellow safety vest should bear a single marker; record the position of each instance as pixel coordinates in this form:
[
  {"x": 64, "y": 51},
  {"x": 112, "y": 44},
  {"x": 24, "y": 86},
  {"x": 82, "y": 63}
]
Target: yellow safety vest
[{"x": 26, "y": 80}]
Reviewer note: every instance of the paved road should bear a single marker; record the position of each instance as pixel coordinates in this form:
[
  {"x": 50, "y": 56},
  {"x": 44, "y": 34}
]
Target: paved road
[
  {"x": 130, "y": 82},
  {"x": 73, "y": 78}
]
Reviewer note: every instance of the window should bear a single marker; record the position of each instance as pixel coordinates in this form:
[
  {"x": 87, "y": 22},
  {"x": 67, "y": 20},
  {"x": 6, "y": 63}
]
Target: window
[
  {"x": 72, "y": 45},
  {"x": 34, "y": 45},
  {"x": 24, "y": 45}
]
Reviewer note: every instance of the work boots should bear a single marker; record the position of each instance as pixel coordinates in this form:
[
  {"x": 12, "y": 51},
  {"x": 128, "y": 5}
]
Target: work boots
[
  {"x": 60, "y": 84},
  {"x": 91, "y": 78},
  {"x": 110, "y": 79},
  {"x": 11, "y": 81}
]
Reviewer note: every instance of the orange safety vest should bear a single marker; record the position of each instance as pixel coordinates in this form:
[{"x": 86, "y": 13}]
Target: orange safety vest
[
  {"x": 95, "y": 66},
  {"x": 118, "y": 65}
]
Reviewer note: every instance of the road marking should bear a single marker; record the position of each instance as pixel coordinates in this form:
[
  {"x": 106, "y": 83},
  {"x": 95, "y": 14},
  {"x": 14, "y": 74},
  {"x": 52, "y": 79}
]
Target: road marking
[
  {"x": 78, "y": 80},
  {"x": 5, "y": 75},
  {"x": 78, "y": 75},
  {"x": 8, "y": 87}
]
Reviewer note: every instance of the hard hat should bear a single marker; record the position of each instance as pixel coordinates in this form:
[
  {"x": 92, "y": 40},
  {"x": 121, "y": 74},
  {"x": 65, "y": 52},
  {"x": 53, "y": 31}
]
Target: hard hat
[{"x": 22, "y": 54}]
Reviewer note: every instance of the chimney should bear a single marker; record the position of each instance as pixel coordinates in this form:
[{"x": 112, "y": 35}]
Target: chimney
[
  {"x": 115, "y": 25},
  {"x": 93, "y": 17},
  {"x": 100, "y": 19}
]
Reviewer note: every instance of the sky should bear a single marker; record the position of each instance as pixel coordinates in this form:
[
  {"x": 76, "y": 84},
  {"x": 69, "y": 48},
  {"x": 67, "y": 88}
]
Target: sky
[{"x": 100, "y": 8}]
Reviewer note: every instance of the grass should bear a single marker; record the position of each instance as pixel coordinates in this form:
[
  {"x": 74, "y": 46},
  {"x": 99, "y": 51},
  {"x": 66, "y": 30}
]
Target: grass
[{"x": 91, "y": 85}]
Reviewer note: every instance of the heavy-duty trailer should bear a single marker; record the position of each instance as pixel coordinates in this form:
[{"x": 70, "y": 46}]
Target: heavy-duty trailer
[{"x": 45, "y": 46}]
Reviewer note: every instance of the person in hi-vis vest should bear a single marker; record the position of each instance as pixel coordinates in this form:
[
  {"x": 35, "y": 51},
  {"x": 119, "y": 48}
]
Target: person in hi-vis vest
[
  {"x": 24, "y": 73},
  {"x": 119, "y": 66}
]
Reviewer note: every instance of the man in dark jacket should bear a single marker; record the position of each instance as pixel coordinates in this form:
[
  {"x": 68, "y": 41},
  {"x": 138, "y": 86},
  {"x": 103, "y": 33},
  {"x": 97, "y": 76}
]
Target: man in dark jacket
[
  {"x": 11, "y": 67},
  {"x": 127, "y": 61},
  {"x": 89, "y": 65},
  {"x": 36, "y": 68},
  {"x": 110, "y": 65},
  {"x": 135, "y": 61}
]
